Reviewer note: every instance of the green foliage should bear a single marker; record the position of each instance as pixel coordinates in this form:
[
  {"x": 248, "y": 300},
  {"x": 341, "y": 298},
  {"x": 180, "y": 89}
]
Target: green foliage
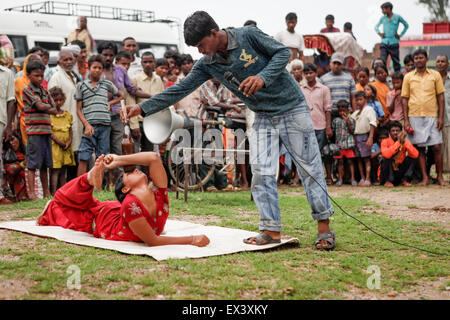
[{"x": 437, "y": 8}]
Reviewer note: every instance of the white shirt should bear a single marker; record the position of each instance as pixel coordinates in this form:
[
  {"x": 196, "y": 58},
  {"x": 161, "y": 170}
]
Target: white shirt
[
  {"x": 7, "y": 92},
  {"x": 135, "y": 68},
  {"x": 364, "y": 119},
  {"x": 291, "y": 40},
  {"x": 68, "y": 85}
]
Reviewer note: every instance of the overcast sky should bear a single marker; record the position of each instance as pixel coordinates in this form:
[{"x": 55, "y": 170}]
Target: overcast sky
[{"x": 364, "y": 14}]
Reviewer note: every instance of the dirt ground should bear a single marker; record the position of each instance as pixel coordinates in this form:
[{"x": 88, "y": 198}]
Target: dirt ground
[{"x": 422, "y": 204}]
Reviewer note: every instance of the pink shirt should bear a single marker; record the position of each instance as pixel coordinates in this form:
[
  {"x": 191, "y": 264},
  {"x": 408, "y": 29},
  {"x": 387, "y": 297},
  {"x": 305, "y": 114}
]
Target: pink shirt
[
  {"x": 397, "y": 115},
  {"x": 319, "y": 102}
]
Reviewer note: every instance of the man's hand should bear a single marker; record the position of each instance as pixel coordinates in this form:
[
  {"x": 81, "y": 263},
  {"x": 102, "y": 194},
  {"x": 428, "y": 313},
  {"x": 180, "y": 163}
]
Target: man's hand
[
  {"x": 440, "y": 124},
  {"x": 328, "y": 132},
  {"x": 251, "y": 85},
  {"x": 67, "y": 145},
  {"x": 7, "y": 133},
  {"x": 89, "y": 130},
  {"x": 397, "y": 36},
  {"x": 369, "y": 143},
  {"x": 237, "y": 109},
  {"x": 131, "y": 111},
  {"x": 381, "y": 35}
]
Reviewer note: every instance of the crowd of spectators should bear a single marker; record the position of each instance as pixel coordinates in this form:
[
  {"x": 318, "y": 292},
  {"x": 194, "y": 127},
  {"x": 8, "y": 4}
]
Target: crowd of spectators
[{"x": 379, "y": 127}]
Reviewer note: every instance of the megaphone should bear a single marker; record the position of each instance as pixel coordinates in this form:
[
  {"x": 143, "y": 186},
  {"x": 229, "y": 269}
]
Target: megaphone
[{"x": 159, "y": 126}]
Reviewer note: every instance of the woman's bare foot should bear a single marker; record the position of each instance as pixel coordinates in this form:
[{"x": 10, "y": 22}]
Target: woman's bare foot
[
  {"x": 95, "y": 175},
  {"x": 424, "y": 182},
  {"x": 442, "y": 182}
]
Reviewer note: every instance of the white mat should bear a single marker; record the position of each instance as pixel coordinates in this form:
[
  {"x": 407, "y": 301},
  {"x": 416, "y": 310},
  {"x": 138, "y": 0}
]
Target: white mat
[{"x": 223, "y": 240}]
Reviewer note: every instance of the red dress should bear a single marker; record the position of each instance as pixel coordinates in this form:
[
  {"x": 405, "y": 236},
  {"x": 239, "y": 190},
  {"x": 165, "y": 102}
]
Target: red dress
[{"x": 75, "y": 208}]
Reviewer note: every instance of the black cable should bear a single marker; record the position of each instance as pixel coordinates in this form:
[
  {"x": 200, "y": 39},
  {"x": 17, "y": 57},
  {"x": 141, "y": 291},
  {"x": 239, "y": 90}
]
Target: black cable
[{"x": 369, "y": 228}]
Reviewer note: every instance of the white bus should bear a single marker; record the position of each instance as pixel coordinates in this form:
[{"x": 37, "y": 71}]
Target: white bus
[{"x": 27, "y": 27}]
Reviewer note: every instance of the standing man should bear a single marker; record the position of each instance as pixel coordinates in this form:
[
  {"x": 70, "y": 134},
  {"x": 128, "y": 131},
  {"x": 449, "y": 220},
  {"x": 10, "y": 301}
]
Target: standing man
[
  {"x": 7, "y": 110},
  {"x": 82, "y": 33},
  {"x": 442, "y": 67},
  {"x": 149, "y": 82},
  {"x": 340, "y": 83},
  {"x": 292, "y": 39},
  {"x": 329, "y": 21},
  {"x": 390, "y": 37},
  {"x": 258, "y": 62},
  {"x": 129, "y": 44},
  {"x": 423, "y": 106}
]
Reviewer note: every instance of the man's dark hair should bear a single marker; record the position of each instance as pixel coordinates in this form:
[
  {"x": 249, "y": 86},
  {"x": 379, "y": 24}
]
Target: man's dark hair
[
  {"x": 36, "y": 49},
  {"x": 395, "y": 124},
  {"x": 79, "y": 43},
  {"x": 398, "y": 75},
  {"x": 382, "y": 132},
  {"x": 35, "y": 65},
  {"x": 105, "y": 45},
  {"x": 309, "y": 67},
  {"x": 45, "y": 53},
  {"x": 126, "y": 39},
  {"x": 291, "y": 16},
  {"x": 148, "y": 53},
  {"x": 161, "y": 62},
  {"x": 387, "y": 5},
  {"x": 186, "y": 58},
  {"x": 329, "y": 17},
  {"x": 118, "y": 189},
  {"x": 408, "y": 58},
  {"x": 343, "y": 104},
  {"x": 198, "y": 26},
  {"x": 123, "y": 54},
  {"x": 250, "y": 23},
  {"x": 348, "y": 26},
  {"x": 360, "y": 94},
  {"x": 96, "y": 58},
  {"x": 418, "y": 52}
]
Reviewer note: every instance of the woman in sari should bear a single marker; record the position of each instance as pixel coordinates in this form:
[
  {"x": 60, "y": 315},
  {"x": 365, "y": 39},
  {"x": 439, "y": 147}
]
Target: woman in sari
[{"x": 382, "y": 88}]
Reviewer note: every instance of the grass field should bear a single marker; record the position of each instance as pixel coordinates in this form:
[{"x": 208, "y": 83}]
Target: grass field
[{"x": 37, "y": 268}]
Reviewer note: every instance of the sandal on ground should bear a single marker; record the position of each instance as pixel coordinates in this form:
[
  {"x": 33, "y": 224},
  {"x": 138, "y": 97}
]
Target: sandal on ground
[
  {"x": 329, "y": 237},
  {"x": 261, "y": 240},
  {"x": 329, "y": 182}
]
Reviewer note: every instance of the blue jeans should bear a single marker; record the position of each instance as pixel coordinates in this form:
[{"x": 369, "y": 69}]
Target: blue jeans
[
  {"x": 99, "y": 143},
  {"x": 295, "y": 131}
]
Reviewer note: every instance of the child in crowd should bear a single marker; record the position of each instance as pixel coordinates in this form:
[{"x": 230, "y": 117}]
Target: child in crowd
[
  {"x": 62, "y": 152},
  {"x": 363, "y": 77},
  {"x": 366, "y": 122},
  {"x": 162, "y": 70},
  {"x": 343, "y": 128},
  {"x": 376, "y": 156},
  {"x": 93, "y": 111},
  {"x": 409, "y": 63},
  {"x": 381, "y": 84},
  {"x": 394, "y": 99},
  {"x": 38, "y": 106},
  {"x": 371, "y": 95},
  {"x": 15, "y": 170}
]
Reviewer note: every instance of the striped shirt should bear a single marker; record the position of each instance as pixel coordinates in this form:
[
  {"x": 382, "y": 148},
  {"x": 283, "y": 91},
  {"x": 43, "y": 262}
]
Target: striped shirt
[
  {"x": 95, "y": 100},
  {"x": 341, "y": 86},
  {"x": 37, "y": 122}
]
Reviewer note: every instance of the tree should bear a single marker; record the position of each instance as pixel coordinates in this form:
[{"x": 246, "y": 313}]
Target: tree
[{"x": 437, "y": 8}]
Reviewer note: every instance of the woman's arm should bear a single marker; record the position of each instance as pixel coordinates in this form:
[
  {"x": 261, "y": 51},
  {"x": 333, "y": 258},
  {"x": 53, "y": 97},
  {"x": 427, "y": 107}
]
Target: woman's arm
[
  {"x": 150, "y": 159},
  {"x": 143, "y": 231}
]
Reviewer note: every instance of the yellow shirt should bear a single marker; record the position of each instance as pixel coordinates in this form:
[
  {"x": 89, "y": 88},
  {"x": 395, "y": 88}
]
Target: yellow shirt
[
  {"x": 422, "y": 92},
  {"x": 152, "y": 86},
  {"x": 83, "y": 35}
]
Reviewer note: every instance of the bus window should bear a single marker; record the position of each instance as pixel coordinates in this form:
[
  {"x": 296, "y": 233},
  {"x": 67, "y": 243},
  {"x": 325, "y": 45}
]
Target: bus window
[
  {"x": 20, "y": 45},
  {"x": 50, "y": 46}
]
